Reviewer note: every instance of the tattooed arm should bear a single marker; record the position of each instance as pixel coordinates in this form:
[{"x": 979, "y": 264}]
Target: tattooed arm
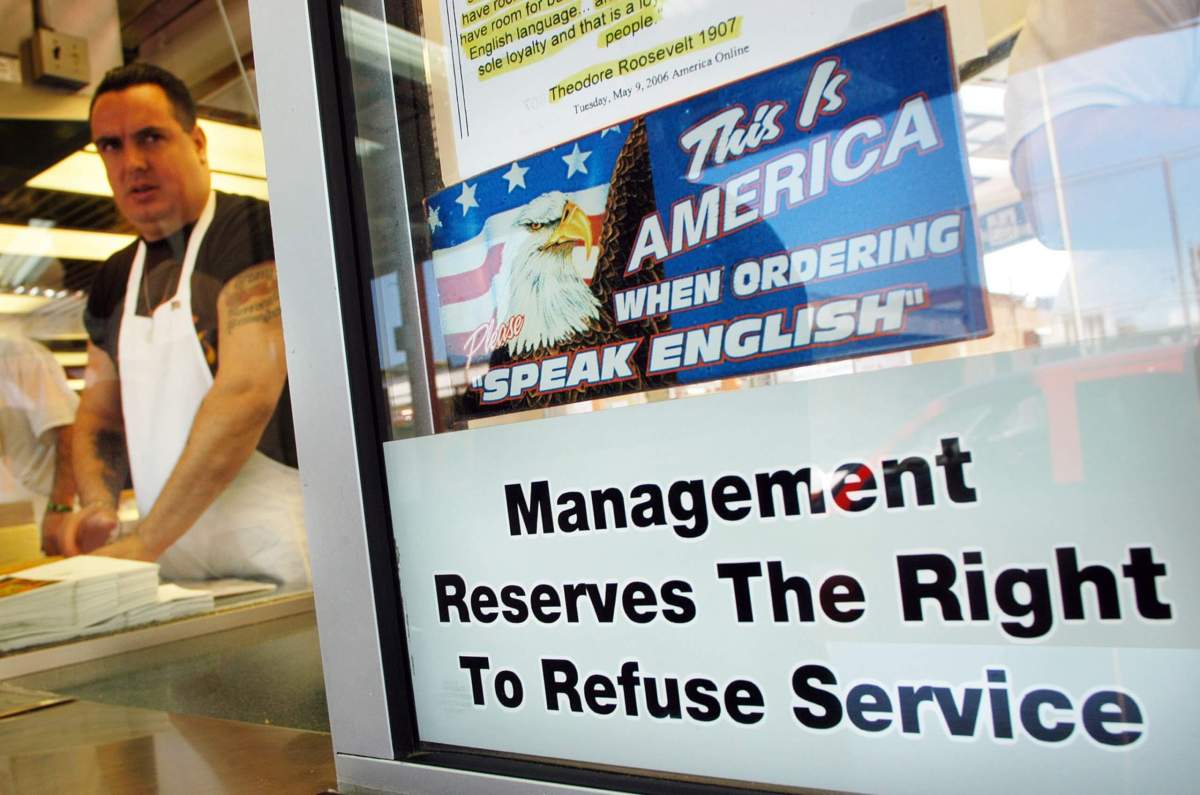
[
  {"x": 99, "y": 459},
  {"x": 230, "y": 421}
]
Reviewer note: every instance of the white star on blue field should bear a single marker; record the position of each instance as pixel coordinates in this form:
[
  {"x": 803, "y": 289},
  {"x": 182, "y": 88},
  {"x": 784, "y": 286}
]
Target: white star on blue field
[
  {"x": 577, "y": 161},
  {"x": 459, "y": 212},
  {"x": 466, "y": 199},
  {"x": 515, "y": 176}
]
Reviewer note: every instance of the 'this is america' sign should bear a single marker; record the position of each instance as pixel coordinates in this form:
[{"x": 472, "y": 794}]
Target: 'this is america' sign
[{"x": 816, "y": 211}]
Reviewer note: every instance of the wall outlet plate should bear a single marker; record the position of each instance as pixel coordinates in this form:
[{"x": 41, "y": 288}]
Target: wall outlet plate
[{"x": 59, "y": 59}]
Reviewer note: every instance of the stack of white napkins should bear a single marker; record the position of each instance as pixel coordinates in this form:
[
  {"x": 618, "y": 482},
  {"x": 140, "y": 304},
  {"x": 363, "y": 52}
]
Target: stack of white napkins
[
  {"x": 228, "y": 587},
  {"x": 87, "y": 595},
  {"x": 172, "y": 602}
]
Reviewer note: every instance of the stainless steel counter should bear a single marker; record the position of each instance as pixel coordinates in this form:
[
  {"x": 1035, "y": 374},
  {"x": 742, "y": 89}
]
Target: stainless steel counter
[
  {"x": 267, "y": 673},
  {"x": 229, "y": 614},
  {"x": 84, "y": 747}
]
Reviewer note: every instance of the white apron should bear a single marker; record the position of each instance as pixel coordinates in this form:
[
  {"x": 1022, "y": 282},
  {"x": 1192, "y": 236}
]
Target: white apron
[{"x": 255, "y": 527}]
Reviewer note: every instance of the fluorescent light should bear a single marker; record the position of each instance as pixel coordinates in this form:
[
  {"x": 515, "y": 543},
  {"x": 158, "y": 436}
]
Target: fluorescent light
[
  {"x": 233, "y": 183},
  {"x": 989, "y": 167},
  {"x": 41, "y": 241},
  {"x": 20, "y": 304},
  {"x": 83, "y": 172},
  {"x": 233, "y": 149},
  {"x": 78, "y": 172},
  {"x": 234, "y": 155},
  {"x": 979, "y": 99},
  {"x": 71, "y": 358}
]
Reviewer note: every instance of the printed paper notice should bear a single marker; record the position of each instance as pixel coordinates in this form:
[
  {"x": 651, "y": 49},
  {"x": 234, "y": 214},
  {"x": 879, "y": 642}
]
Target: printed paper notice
[{"x": 527, "y": 74}]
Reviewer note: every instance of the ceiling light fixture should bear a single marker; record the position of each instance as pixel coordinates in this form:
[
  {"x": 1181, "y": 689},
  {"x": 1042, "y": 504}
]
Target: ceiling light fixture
[
  {"x": 56, "y": 243},
  {"x": 12, "y": 304},
  {"x": 234, "y": 155}
]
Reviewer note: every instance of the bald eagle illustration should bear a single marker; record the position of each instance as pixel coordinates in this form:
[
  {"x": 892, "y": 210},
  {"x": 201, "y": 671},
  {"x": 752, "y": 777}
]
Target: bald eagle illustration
[
  {"x": 562, "y": 312},
  {"x": 544, "y": 286}
]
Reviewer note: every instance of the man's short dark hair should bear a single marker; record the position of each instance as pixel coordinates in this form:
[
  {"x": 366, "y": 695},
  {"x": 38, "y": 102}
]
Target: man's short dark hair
[{"x": 137, "y": 74}]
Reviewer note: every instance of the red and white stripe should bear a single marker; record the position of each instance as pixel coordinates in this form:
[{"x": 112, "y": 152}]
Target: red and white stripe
[{"x": 466, "y": 274}]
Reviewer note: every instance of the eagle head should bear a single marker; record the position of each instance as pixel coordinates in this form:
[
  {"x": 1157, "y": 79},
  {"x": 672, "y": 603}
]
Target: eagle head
[
  {"x": 556, "y": 223},
  {"x": 544, "y": 285}
]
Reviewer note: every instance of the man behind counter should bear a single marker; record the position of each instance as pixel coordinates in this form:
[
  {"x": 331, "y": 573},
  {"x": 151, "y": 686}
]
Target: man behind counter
[{"x": 186, "y": 379}]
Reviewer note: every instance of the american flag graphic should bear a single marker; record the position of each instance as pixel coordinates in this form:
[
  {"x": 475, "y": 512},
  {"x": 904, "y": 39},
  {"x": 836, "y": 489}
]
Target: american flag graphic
[{"x": 470, "y": 223}]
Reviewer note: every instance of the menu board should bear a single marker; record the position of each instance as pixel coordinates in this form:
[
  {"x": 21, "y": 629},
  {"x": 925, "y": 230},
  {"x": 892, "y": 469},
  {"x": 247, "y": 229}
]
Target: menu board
[{"x": 815, "y": 211}]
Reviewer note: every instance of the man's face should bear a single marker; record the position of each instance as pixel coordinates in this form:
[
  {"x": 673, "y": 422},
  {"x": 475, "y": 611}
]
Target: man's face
[{"x": 158, "y": 171}]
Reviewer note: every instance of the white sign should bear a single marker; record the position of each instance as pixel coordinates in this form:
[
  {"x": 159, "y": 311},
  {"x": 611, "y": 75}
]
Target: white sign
[
  {"x": 528, "y": 74},
  {"x": 884, "y": 582}
]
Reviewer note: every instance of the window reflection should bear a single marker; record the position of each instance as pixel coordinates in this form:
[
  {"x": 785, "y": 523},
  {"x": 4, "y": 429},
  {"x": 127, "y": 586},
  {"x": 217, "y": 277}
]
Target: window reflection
[{"x": 1102, "y": 127}]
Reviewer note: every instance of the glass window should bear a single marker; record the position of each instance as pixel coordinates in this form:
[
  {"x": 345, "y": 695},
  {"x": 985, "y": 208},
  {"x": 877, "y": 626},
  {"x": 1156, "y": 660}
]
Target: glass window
[{"x": 939, "y": 268}]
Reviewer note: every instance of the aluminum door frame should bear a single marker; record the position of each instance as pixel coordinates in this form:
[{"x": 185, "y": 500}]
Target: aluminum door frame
[
  {"x": 358, "y": 610},
  {"x": 318, "y": 359}
]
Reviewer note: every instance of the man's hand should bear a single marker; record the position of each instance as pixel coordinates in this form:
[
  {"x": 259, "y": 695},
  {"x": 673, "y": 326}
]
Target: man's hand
[
  {"x": 130, "y": 547},
  {"x": 86, "y": 529},
  {"x": 52, "y": 530}
]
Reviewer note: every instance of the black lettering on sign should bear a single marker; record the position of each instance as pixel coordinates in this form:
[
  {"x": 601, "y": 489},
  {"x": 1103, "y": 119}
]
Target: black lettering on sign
[
  {"x": 634, "y": 692},
  {"x": 931, "y": 588}
]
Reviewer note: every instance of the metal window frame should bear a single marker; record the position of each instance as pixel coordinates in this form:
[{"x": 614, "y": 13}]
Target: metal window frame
[{"x": 324, "y": 256}]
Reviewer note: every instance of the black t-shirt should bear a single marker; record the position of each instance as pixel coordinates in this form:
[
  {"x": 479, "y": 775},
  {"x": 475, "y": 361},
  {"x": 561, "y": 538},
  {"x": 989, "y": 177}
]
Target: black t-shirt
[{"x": 238, "y": 238}]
